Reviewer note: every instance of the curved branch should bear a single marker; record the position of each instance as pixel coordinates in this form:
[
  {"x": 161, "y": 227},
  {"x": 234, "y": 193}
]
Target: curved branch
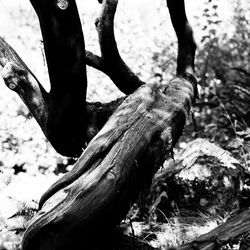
[
  {"x": 117, "y": 69},
  {"x": 19, "y": 78},
  {"x": 186, "y": 43},
  {"x": 96, "y": 62},
  {"x": 184, "y": 33}
]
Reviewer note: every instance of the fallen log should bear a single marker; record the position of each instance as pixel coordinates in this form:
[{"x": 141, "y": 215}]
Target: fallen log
[{"x": 229, "y": 231}]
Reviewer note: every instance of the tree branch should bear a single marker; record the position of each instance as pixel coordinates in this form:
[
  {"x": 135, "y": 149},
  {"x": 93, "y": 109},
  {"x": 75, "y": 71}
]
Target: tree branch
[
  {"x": 19, "y": 78},
  {"x": 96, "y": 62},
  {"x": 64, "y": 45},
  {"x": 117, "y": 69},
  {"x": 65, "y": 54},
  {"x": 184, "y": 32},
  {"x": 62, "y": 113},
  {"x": 65, "y": 118}
]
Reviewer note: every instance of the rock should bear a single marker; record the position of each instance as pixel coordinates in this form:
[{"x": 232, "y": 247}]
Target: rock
[{"x": 204, "y": 178}]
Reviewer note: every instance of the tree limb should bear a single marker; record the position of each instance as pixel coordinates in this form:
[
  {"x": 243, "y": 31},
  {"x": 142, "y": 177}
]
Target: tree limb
[
  {"x": 62, "y": 113},
  {"x": 186, "y": 43},
  {"x": 65, "y": 54},
  {"x": 117, "y": 69},
  {"x": 184, "y": 32},
  {"x": 95, "y": 61},
  {"x": 19, "y": 78}
]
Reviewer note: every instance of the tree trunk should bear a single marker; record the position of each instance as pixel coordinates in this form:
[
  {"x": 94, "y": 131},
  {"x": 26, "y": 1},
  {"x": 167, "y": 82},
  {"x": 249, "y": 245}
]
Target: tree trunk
[
  {"x": 113, "y": 169},
  {"x": 90, "y": 201}
]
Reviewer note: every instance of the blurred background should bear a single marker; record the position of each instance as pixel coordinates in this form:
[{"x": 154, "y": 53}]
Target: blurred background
[{"x": 147, "y": 43}]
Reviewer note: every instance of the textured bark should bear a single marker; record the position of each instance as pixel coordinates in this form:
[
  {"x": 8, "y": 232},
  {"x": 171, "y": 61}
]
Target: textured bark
[
  {"x": 122, "y": 158},
  {"x": 114, "y": 167}
]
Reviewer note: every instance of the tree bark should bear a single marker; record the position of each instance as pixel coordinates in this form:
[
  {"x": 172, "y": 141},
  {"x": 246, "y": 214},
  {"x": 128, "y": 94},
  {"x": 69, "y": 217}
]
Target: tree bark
[
  {"x": 115, "y": 166},
  {"x": 122, "y": 158},
  {"x": 88, "y": 202}
]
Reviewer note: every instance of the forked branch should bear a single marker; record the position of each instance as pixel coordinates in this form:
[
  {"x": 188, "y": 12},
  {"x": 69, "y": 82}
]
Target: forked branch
[
  {"x": 63, "y": 114},
  {"x": 65, "y": 54},
  {"x": 20, "y": 79},
  {"x": 110, "y": 61},
  {"x": 116, "y": 68}
]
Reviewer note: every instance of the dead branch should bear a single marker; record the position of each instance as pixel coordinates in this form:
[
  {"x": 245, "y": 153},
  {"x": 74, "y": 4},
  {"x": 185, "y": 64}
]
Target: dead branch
[{"x": 65, "y": 55}]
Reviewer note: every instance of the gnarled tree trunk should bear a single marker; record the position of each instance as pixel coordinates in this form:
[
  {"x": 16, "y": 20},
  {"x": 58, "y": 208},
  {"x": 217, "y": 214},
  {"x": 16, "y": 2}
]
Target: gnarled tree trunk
[{"x": 124, "y": 154}]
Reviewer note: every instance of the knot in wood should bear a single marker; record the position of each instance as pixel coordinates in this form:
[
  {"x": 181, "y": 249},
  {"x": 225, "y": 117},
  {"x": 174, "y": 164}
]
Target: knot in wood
[
  {"x": 62, "y": 4},
  {"x": 11, "y": 85}
]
